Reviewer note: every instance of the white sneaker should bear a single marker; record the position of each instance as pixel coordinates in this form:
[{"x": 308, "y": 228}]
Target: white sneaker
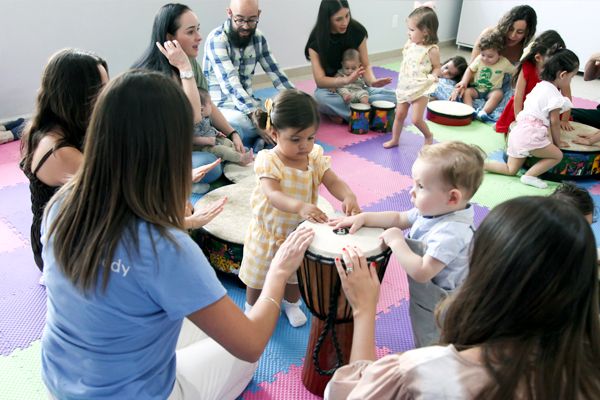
[
  {"x": 247, "y": 308},
  {"x": 293, "y": 313},
  {"x": 533, "y": 181}
]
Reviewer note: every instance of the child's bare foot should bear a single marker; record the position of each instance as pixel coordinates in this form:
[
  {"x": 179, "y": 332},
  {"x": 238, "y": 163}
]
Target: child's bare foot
[
  {"x": 391, "y": 143},
  {"x": 247, "y": 157}
]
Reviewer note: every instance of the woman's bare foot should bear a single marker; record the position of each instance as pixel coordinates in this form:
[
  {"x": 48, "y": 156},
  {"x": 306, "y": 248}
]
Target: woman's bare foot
[
  {"x": 391, "y": 143},
  {"x": 247, "y": 158}
]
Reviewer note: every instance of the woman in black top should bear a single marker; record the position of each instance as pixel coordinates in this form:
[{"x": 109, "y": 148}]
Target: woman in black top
[
  {"x": 53, "y": 142},
  {"x": 335, "y": 32}
]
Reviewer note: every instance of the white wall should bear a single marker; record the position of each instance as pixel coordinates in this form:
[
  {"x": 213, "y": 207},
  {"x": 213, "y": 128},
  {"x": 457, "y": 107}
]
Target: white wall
[{"x": 119, "y": 30}]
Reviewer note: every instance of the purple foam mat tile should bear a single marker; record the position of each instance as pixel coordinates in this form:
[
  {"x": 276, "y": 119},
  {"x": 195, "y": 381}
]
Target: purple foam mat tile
[
  {"x": 480, "y": 213},
  {"x": 399, "y": 201},
  {"x": 15, "y": 207},
  {"x": 399, "y": 159},
  {"x": 18, "y": 272},
  {"x": 23, "y": 318},
  {"x": 393, "y": 329}
]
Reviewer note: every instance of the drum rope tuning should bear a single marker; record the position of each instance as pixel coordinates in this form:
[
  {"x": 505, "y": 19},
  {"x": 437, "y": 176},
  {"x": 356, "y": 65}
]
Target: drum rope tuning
[{"x": 330, "y": 325}]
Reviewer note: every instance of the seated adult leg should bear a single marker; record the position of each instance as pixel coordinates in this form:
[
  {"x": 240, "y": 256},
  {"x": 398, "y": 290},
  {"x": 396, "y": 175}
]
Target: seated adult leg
[{"x": 332, "y": 104}]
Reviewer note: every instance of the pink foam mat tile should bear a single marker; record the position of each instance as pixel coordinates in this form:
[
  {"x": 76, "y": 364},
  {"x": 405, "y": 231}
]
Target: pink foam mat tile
[
  {"x": 287, "y": 385},
  {"x": 369, "y": 181},
  {"x": 10, "y": 173},
  {"x": 308, "y": 86},
  {"x": 394, "y": 287},
  {"x": 382, "y": 351},
  {"x": 10, "y": 239},
  {"x": 578, "y": 102},
  {"x": 337, "y": 135}
]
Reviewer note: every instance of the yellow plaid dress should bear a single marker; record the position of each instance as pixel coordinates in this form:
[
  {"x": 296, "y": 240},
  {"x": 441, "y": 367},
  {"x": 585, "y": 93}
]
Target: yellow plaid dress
[{"x": 270, "y": 226}]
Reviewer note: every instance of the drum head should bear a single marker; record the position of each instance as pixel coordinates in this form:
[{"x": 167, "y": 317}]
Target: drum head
[
  {"x": 232, "y": 223},
  {"x": 328, "y": 243},
  {"x": 383, "y": 104},
  {"x": 580, "y": 129},
  {"x": 450, "y": 108},
  {"x": 360, "y": 107},
  {"x": 236, "y": 172}
]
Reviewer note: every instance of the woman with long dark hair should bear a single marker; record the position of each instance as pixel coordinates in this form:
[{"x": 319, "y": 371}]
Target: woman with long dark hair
[
  {"x": 524, "y": 325},
  {"x": 336, "y": 31},
  {"x": 122, "y": 273},
  {"x": 53, "y": 142}
]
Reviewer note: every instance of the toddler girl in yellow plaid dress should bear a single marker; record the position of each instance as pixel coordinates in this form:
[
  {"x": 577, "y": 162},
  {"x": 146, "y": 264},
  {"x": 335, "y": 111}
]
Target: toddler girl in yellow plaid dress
[{"x": 288, "y": 178}]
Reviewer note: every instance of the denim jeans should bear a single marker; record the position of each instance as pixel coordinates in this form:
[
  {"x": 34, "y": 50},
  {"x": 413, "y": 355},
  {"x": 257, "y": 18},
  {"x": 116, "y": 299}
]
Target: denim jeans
[
  {"x": 243, "y": 124},
  {"x": 200, "y": 158},
  {"x": 332, "y": 103}
]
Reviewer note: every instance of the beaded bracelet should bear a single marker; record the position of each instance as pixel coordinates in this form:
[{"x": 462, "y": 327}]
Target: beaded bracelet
[{"x": 272, "y": 300}]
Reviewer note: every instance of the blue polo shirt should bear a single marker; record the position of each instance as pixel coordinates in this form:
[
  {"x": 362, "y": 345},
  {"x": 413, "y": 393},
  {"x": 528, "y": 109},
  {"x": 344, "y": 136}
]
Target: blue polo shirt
[{"x": 120, "y": 343}]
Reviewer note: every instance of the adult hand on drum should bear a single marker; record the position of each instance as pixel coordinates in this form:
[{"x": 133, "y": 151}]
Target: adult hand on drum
[
  {"x": 381, "y": 82},
  {"x": 350, "y": 206},
  {"x": 312, "y": 213},
  {"x": 359, "y": 281},
  {"x": 355, "y": 222},
  {"x": 290, "y": 253},
  {"x": 200, "y": 172},
  {"x": 201, "y": 217}
]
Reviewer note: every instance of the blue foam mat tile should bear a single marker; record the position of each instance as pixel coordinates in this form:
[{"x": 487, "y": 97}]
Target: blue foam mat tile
[
  {"x": 287, "y": 346},
  {"x": 266, "y": 93},
  {"x": 399, "y": 159},
  {"x": 393, "y": 329},
  {"x": 326, "y": 147}
]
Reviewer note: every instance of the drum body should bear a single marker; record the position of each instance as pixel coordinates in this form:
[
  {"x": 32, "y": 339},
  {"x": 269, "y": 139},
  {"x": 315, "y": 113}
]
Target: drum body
[
  {"x": 360, "y": 115},
  {"x": 330, "y": 338},
  {"x": 382, "y": 116},
  {"x": 578, "y": 162},
  {"x": 450, "y": 113}
]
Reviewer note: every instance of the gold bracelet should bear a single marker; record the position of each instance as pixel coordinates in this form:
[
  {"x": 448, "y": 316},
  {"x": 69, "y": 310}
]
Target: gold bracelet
[{"x": 272, "y": 300}]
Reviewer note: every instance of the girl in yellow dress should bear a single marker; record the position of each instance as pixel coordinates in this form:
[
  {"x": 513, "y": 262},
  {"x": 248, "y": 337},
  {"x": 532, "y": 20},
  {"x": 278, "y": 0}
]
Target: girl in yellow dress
[
  {"x": 288, "y": 178},
  {"x": 419, "y": 72}
]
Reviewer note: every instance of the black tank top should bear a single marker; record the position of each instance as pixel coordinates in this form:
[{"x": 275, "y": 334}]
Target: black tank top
[{"x": 40, "y": 195}]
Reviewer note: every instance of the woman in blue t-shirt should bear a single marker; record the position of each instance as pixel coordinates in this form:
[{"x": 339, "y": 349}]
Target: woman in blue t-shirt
[
  {"x": 334, "y": 33},
  {"x": 122, "y": 273}
]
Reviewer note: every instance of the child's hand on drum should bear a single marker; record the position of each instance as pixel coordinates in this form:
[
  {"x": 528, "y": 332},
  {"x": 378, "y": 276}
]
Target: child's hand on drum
[
  {"x": 290, "y": 253},
  {"x": 588, "y": 140},
  {"x": 355, "y": 222},
  {"x": 350, "y": 206},
  {"x": 359, "y": 281},
  {"x": 201, "y": 217},
  {"x": 566, "y": 126},
  {"x": 312, "y": 213},
  {"x": 562, "y": 144},
  {"x": 391, "y": 236}
]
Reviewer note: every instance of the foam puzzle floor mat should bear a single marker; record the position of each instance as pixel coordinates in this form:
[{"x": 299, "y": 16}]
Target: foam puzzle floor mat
[{"x": 381, "y": 179}]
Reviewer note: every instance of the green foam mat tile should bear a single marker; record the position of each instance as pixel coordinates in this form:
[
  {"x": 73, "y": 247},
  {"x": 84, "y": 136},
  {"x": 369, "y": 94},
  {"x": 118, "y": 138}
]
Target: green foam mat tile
[
  {"x": 20, "y": 374},
  {"x": 395, "y": 66},
  {"x": 498, "y": 188},
  {"x": 483, "y": 135}
]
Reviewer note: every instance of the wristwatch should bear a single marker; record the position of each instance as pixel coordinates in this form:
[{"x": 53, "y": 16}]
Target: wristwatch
[{"x": 186, "y": 74}]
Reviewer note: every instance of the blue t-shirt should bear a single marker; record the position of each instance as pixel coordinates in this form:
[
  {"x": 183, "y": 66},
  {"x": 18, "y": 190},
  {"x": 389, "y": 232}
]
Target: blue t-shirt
[{"x": 121, "y": 343}]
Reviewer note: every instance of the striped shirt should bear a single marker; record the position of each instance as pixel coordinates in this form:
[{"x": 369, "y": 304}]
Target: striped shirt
[{"x": 229, "y": 70}]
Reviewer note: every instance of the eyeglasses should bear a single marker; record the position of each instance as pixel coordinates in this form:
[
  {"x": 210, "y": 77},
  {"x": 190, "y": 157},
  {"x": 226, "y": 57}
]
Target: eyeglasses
[{"x": 251, "y": 22}]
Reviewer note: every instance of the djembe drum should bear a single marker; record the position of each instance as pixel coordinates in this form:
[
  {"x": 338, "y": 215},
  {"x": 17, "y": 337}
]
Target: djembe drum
[
  {"x": 222, "y": 239},
  {"x": 452, "y": 113},
  {"x": 331, "y": 330},
  {"x": 382, "y": 116},
  {"x": 360, "y": 115},
  {"x": 579, "y": 161}
]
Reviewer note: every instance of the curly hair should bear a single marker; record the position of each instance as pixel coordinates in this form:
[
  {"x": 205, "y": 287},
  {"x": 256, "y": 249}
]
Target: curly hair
[
  {"x": 519, "y": 13},
  {"x": 492, "y": 40}
]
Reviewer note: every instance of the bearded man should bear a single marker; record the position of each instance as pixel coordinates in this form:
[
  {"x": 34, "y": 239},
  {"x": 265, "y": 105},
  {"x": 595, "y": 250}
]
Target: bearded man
[{"x": 231, "y": 53}]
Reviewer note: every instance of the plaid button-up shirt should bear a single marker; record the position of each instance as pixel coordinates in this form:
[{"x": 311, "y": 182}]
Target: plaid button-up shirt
[{"x": 229, "y": 70}]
